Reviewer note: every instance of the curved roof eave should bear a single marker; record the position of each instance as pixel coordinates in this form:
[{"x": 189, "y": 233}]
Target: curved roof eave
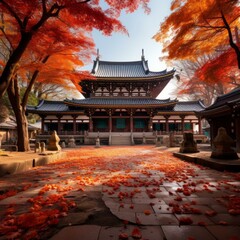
[
  {"x": 214, "y": 111},
  {"x": 44, "y": 112},
  {"x": 147, "y": 77},
  {"x": 176, "y": 112},
  {"x": 119, "y": 105}
]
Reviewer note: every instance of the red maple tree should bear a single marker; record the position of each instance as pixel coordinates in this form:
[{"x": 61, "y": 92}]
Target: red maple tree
[{"x": 46, "y": 30}]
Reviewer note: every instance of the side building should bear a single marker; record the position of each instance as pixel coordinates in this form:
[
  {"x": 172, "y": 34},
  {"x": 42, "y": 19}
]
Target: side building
[
  {"x": 225, "y": 112},
  {"x": 120, "y": 107}
]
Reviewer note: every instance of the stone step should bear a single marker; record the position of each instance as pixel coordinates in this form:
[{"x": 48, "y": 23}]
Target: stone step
[{"x": 121, "y": 140}]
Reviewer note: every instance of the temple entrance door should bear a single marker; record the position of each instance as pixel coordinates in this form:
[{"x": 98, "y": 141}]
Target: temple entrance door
[
  {"x": 100, "y": 125},
  {"x": 140, "y": 125},
  {"x": 121, "y": 125}
]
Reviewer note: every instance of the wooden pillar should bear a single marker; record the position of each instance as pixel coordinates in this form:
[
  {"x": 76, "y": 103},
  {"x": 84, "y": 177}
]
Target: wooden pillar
[
  {"x": 182, "y": 122},
  {"x": 191, "y": 126},
  {"x": 42, "y": 124},
  {"x": 50, "y": 130},
  {"x": 90, "y": 124},
  {"x": 150, "y": 125},
  {"x": 59, "y": 124},
  {"x": 167, "y": 125},
  {"x": 74, "y": 124},
  {"x": 7, "y": 135},
  {"x": 199, "y": 125},
  {"x": 211, "y": 130},
  {"x": 110, "y": 121},
  {"x": 131, "y": 121}
]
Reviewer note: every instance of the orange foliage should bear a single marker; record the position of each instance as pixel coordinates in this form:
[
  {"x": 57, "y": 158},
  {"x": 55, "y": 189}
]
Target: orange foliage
[
  {"x": 195, "y": 28},
  {"x": 39, "y": 26},
  {"x": 223, "y": 68}
]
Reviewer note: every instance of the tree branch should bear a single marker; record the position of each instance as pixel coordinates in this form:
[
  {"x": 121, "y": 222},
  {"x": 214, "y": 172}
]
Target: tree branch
[
  {"x": 6, "y": 46},
  {"x": 25, "y": 21},
  {"x": 84, "y": 1},
  {"x": 31, "y": 83},
  {"x": 3, "y": 55},
  {"x": 210, "y": 26},
  {"x": 26, "y": 37},
  {"x": 14, "y": 14},
  {"x": 44, "y": 8},
  {"x": 231, "y": 42},
  {"x": 52, "y": 12},
  {"x": 5, "y": 35}
]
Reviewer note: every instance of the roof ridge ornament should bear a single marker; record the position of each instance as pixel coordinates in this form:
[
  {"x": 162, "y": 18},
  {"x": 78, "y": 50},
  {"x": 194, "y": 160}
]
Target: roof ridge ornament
[
  {"x": 98, "y": 55},
  {"x": 144, "y": 63},
  {"x": 143, "y": 57},
  {"x": 96, "y": 63}
]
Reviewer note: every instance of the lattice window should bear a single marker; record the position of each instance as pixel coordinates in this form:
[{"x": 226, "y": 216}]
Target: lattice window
[
  {"x": 101, "y": 123},
  {"x": 139, "y": 123},
  {"x": 120, "y": 123}
]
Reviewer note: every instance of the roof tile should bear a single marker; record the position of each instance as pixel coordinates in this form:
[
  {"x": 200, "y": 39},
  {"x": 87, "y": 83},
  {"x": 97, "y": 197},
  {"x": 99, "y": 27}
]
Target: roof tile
[
  {"x": 118, "y": 101},
  {"x": 62, "y": 106},
  {"x": 192, "y": 106},
  {"x": 124, "y": 69}
]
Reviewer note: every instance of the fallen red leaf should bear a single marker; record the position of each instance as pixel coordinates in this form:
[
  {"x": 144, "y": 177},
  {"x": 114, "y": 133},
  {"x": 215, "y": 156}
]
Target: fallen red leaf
[
  {"x": 202, "y": 224},
  {"x": 123, "y": 236},
  {"x": 147, "y": 212},
  {"x": 223, "y": 223},
  {"x": 210, "y": 213},
  {"x": 136, "y": 233}
]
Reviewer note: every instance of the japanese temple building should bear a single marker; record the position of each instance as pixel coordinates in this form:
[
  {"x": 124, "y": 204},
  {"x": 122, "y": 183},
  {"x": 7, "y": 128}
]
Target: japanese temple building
[
  {"x": 225, "y": 112},
  {"x": 120, "y": 107}
]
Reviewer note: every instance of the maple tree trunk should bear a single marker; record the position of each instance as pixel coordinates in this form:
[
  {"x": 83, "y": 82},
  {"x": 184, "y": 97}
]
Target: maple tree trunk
[
  {"x": 22, "y": 130},
  {"x": 21, "y": 119}
]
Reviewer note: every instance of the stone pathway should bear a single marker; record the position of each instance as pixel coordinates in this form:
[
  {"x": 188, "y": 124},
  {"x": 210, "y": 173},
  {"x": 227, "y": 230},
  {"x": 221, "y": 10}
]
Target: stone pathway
[{"x": 138, "y": 192}]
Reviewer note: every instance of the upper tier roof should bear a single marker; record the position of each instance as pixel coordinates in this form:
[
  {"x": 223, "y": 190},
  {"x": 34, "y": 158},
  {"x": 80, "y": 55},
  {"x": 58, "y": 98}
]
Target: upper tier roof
[
  {"x": 136, "y": 69},
  {"x": 59, "y": 107}
]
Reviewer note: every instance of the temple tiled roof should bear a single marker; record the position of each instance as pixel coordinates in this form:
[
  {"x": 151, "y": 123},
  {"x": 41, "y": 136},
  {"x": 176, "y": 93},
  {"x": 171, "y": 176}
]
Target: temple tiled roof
[
  {"x": 136, "y": 69},
  {"x": 192, "y": 106},
  {"x": 118, "y": 102},
  {"x": 184, "y": 106},
  {"x": 223, "y": 105},
  {"x": 49, "y": 106},
  {"x": 65, "y": 106},
  {"x": 225, "y": 99},
  {"x": 11, "y": 124}
]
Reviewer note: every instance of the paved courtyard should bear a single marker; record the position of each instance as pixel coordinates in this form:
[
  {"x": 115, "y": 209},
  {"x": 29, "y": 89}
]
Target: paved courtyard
[{"x": 137, "y": 192}]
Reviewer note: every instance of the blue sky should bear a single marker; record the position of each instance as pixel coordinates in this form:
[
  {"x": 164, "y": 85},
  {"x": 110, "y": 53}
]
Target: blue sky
[{"x": 141, "y": 28}]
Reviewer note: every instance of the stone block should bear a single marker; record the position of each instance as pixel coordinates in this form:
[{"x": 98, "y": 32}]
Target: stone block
[
  {"x": 188, "y": 144},
  {"x": 53, "y": 144},
  {"x": 223, "y": 146}
]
